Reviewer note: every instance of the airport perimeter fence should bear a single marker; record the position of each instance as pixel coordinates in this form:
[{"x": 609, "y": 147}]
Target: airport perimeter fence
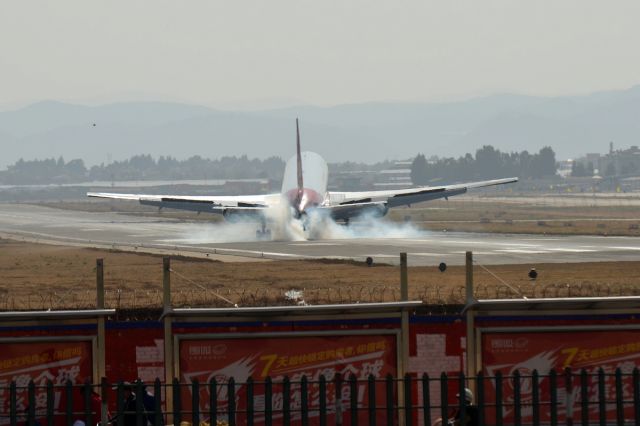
[
  {"x": 428, "y": 293},
  {"x": 559, "y": 398}
]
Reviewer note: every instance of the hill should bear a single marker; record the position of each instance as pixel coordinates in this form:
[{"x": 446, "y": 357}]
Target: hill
[{"x": 367, "y": 132}]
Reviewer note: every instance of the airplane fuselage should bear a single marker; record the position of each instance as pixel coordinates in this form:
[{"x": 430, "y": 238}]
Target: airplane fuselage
[{"x": 313, "y": 193}]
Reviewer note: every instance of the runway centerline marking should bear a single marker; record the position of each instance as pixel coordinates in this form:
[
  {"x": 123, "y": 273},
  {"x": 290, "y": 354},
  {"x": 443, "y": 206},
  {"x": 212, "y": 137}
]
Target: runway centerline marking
[
  {"x": 312, "y": 244},
  {"x": 569, "y": 250},
  {"x": 484, "y": 253},
  {"x": 522, "y": 251}
]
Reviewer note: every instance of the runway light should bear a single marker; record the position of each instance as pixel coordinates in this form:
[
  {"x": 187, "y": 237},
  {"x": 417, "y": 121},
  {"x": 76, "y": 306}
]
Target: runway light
[
  {"x": 369, "y": 261},
  {"x": 533, "y": 274},
  {"x": 442, "y": 266}
]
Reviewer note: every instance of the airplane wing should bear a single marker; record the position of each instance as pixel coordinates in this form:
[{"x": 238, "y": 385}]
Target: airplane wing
[
  {"x": 347, "y": 204},
  {"x": 211, "y": 204}
]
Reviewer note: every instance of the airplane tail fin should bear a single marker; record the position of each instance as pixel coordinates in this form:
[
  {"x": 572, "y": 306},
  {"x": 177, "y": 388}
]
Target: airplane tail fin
[{"x": 300, "y": 183}]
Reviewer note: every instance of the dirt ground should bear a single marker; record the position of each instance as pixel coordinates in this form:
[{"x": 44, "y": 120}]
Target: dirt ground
[{"x": 54, "y": 277}]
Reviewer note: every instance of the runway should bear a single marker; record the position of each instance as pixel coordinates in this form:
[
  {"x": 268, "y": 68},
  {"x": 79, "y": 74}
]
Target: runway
[{"x": 161, "y": 235}]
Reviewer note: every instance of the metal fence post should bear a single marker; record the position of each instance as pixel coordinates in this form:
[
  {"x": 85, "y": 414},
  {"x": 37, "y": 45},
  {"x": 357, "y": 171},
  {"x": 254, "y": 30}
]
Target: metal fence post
[
  {"x": 268, "y": 402},
  {"x": 426, "y": 400},
  {"x": 50, "y": 402},
  {"x": 584, "y": 397},
  {"x": 69, "y": 408},
  {"x": 636, "y": 395},
  {"x": 371, "y": 392},
  {"x": 498, "y": 398},
  {"x": 568, "y": 400},
  {"x": 250, "y": 401},
  {"x": 535, "y": 395},
  {"x": 517, "y": 413},
  {"x": 304, "y": 401},
  {"x": 338, "y": 398},
  {"x": 231, "y": 393},
  {"x": 213, "y": 401},
  {"x": 602, "y": 398},
  {"x": 322, "y": 404},
  {"x": 140, "y": 417},
  {"x": 408, "y": 407},
  {"x": 195, "y": 402},
  {"x": 353, "y": 399},
  {"x": 158, "y": 415},
  {"x": 619, "y": 398},
  {"x": 13, "y": 405},
  {"x": 31, "y": 408},
  {"x": 286, "y": 401},
  {"x": 462, "y": 410},
  {"x": 553, "y": 397},
  {"x": 87, "y": 388},
  {"x": 120, "y": 404},
  {"x": 444, "y": 396},
  {"x": 104, "y": 402},
  {"x": 177, "y": 401},
  {"x": 480, "y": 394},
  {"x": 169, "y": 366},
  {"x": 389, "y": 397}
]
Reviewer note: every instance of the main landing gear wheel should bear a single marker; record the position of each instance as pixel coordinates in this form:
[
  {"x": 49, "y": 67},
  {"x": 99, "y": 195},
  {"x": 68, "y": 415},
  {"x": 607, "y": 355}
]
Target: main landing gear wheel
[{"x": 263, "y": 235}]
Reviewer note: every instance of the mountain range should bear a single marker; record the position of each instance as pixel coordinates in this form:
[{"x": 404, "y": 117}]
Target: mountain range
[{"x": 366, "y": 132}]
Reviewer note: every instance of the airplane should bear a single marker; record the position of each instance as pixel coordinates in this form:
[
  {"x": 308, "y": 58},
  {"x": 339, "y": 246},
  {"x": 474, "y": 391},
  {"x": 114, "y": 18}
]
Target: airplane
[{"x": 304, "y": 191}]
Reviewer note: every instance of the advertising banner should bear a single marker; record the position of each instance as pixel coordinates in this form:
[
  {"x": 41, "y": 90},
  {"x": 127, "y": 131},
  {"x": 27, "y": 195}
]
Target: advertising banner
[
  {"x": 293, "y": 357},
  {"x": 546, "y": 351},
  {"x": 42, "y": 361}
]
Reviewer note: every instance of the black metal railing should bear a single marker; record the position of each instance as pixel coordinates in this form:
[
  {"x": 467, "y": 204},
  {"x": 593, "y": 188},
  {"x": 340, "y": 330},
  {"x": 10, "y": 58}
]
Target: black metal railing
[{"x": 564, "y": 398}]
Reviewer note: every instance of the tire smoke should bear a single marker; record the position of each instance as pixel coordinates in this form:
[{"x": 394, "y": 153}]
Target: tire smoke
[{"x": 284, "y": 226}]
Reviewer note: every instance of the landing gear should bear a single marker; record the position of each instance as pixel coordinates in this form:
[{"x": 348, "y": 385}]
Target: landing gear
[{"x": 263, "y": 233}]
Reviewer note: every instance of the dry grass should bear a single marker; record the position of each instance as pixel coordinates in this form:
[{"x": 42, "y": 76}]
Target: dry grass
[
  {"x": 521, "y": 218},
  {"x": 42, "y": 276}
]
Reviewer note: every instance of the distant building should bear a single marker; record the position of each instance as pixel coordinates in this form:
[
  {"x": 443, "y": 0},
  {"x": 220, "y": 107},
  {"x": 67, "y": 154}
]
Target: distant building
[
  {"x": 621, "y": 162},
  {"x": 352, "y": 180},
  {"x": 565, "y": 167},
  {"x": 615, "y": 163},
  {"x": 398, "y": 176}
]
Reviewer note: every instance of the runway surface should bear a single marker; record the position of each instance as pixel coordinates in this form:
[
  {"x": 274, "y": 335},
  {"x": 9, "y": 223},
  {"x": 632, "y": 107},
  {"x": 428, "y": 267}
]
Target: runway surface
[{"x": 113, "y": 230}]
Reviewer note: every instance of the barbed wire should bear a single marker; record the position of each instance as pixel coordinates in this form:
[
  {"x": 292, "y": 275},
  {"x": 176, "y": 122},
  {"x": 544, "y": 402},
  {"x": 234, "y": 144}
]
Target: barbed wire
[{"x": 429, "y": 294}]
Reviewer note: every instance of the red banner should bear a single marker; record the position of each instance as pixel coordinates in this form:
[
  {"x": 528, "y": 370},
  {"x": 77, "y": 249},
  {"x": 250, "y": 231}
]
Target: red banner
[
  {"x": 293, "y": 357},
  {"x": 42, "y": 361},
  {"x": 546, "y": 351}
]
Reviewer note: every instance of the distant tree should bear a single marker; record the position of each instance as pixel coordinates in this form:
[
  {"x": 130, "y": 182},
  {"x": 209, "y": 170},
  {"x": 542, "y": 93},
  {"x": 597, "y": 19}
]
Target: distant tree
[
  {"x": 547, "y": 162},
  {"x": 76, "y": 167},
  {"x": 488, "y": 161},
  {"x": 419, "y": 170},
  {"x": 610, "y": 170}
]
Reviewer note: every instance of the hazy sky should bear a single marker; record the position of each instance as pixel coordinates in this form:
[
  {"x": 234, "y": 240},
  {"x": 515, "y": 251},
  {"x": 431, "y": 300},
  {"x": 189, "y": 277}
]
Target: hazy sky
[{"x": 270, "y": 53}]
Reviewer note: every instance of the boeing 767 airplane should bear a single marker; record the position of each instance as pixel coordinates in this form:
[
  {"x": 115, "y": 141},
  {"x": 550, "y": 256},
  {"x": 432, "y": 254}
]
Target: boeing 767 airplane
[{"x": 304, "y": 190}]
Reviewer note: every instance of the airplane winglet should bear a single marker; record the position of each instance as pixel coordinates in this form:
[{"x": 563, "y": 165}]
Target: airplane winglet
[{"x": 300, "y": 183}]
